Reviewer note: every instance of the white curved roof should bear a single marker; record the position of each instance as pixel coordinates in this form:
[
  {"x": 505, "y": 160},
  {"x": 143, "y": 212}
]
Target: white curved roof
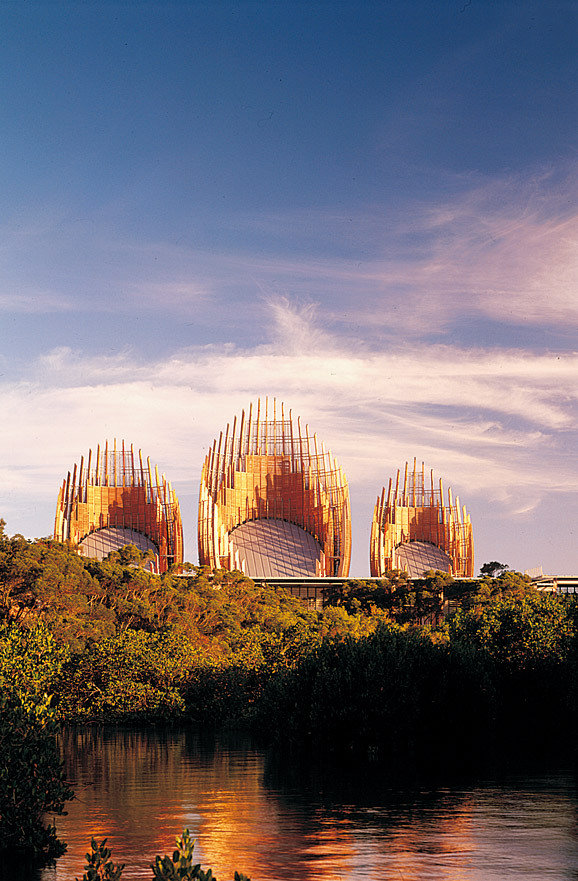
[
  {"x": 100, "y": 543},
  {"x": 275, "y": 548},
  {"x": 416, "y": 557}
]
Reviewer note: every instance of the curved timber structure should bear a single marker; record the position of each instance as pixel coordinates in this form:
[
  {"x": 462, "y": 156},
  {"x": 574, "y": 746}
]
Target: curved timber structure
[
  {"x": 114, "y": 499},
  {"x": 413, "y": 530},
  {"x": 273, "y": 501}
]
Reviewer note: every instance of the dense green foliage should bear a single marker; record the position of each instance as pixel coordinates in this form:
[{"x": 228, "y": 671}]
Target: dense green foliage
[
  {"x": 136, "y": 645},
  {"x": 428, "y": 669},
  {"x": 394, "y": 666},
  {"x": 417, "y": 601},
  {"x": 393, "y": 694},
  {"x": 31, "y": 778},
  {"x": 178, "y": 867},
  {"x": 528, "y": 631}
]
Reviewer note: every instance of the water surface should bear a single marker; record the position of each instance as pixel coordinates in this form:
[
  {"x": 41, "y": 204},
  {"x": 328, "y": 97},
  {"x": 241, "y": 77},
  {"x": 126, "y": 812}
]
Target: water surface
[{"x": 277, "y": 821}]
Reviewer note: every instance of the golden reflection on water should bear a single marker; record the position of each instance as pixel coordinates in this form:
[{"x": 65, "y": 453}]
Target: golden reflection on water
[
  {"x": 139, "y": 789},
  {"x": 139, "y": 792}
]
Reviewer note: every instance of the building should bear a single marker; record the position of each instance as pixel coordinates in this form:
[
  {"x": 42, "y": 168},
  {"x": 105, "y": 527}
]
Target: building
[
  {"x": 114, "y": 499},
  {"x": 413, "y": 530},
  {"x": 273, "y": 501}
]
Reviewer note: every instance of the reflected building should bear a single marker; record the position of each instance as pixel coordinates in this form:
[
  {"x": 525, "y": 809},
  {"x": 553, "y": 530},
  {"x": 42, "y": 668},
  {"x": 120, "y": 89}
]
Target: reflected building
[
  {"x": 413, "y": 530},
  {"x": 273, "y": 501},
  {"x": 114, "y": 499}
]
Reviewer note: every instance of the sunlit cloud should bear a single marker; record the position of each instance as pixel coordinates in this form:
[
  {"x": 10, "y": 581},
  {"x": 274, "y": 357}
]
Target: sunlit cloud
[
  {"x": 344, "y": 338},
  {"x": 490, "y": 417}
]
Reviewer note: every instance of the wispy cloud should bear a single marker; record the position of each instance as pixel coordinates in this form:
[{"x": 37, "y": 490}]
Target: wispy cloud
[
  {"x": 34, "y": 301},
  {"x": 492, "y": 417},
  {"x": 499, "y": 430},
  {"x": 503, "y": 250}
]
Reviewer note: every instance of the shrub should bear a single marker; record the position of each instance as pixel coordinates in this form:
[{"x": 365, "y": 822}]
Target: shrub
[
  {"x": 31, "y": 779},
  {"x": 394, "y": 692},
  {"x": 179, "y": 867}
]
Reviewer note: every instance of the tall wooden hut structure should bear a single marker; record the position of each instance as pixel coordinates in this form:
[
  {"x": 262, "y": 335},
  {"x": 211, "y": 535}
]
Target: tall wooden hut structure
[{"x": 273, "y": 501}]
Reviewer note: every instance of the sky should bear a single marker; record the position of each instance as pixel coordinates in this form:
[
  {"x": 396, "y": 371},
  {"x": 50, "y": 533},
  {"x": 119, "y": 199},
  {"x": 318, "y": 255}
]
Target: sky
[{"x": 365, "y": 210}]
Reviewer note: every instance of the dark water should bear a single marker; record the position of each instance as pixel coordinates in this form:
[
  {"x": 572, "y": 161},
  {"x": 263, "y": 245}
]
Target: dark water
[{"x": 278, "y": 821}]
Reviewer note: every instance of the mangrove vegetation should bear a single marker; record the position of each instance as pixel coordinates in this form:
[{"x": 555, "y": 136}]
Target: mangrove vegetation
[{"x": 393, "y": 670}]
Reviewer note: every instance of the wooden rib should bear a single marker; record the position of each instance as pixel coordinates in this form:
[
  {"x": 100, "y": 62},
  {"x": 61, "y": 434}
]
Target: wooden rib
[
  {"x": 241, "y": 435},
  {"x": 250, "y": 430},
  {"x": 142, "y": 475},
  {"x": 80, "y": 478},
  {"x": 150, "y": 476}
]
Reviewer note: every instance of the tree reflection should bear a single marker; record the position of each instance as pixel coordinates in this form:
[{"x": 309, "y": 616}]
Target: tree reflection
[{"x": 282, "y": 818}]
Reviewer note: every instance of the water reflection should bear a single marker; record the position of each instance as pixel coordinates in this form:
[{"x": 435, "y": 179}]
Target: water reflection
[{"x": 284, "y": 821}]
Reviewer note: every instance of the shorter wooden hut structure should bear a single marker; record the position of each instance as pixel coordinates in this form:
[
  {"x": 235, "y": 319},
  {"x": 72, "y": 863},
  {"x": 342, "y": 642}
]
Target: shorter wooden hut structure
[
  {"x": 113, "y": 499},
  {"x": 413, "y": 530}
]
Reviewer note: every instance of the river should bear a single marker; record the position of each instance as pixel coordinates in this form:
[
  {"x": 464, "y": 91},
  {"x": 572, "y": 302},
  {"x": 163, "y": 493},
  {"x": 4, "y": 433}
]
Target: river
[{"x": 278, "y": 821}]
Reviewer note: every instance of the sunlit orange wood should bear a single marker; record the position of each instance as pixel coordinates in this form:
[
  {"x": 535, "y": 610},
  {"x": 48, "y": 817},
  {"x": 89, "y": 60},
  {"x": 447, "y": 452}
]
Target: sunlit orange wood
[
  {"x": 134, "y": 500},
  {"x": 267, "y": 468},
  {"x": 418, "y": 513}
]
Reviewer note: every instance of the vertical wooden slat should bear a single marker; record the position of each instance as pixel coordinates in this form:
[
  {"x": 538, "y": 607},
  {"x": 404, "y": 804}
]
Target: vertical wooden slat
[
  {"x": 284, "y": 459},
  {"x": 250, "y": 430},
  {"x": 81, "y": 480},
  {"x": 241, "y": 436}
]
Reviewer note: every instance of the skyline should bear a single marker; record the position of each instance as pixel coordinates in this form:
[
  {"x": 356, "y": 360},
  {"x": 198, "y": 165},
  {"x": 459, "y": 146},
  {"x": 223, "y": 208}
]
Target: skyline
[{"x": 367, "y": 213}]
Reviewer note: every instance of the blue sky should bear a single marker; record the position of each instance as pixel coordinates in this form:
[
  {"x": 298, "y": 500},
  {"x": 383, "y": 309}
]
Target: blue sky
[{"x": 366, "y": 210}]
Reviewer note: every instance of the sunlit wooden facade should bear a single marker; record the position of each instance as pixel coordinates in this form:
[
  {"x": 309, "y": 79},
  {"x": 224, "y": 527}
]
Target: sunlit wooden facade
[
  {"x": 412, "y": 510},
  {"x": 116, "y": 497},
  {"x": 266, "y": 467}
]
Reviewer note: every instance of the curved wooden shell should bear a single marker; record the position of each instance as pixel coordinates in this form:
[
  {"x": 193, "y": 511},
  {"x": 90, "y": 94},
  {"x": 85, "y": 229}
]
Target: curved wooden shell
[
  {"x": 413, "y": 510},
  {"x": 266, "y": 466},
  {"x": 115, "y": 489}
]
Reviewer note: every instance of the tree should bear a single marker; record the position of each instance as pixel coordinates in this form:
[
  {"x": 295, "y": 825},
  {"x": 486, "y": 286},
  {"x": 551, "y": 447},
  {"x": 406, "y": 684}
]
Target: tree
[
  {"x": 493, "y": 568},
  {"x": 31, "y": 776},
  {"x": 528, "y": 631}
]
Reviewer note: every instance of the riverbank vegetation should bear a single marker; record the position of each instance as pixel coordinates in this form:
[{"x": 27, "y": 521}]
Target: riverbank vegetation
[
  {"x": 395, "y": 669},
  {"x": 32, "y": 783},
  {"x": 180, "y": 866}
]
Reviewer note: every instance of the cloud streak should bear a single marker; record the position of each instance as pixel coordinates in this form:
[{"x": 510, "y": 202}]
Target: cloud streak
[
  {"x": 492, "y": 416},
  {"x": 503, "y": 251},
  {"x": 343, "y": 337}
]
